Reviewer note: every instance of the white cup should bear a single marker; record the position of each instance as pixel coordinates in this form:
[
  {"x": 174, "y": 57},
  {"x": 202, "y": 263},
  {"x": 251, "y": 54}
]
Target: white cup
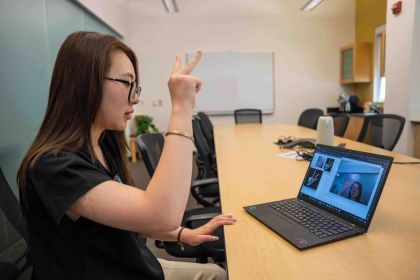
[{"x": 325, "y": 131}]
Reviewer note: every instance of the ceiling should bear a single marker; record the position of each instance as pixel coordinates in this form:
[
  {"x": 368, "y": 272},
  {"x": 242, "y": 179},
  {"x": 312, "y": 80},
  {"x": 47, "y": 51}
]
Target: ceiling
[{"x": 220, "y": 8}]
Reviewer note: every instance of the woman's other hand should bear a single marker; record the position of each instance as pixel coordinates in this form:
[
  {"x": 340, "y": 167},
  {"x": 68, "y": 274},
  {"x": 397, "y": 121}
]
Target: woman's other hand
[
  {"x": 202, "y": 234},
  {"x": 182, "y": 86},
  {"x": 346, "y": 185}
]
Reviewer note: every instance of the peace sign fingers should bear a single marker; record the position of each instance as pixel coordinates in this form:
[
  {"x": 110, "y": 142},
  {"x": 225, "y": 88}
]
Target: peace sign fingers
[
  {"x": 187, "y": 69},
  {"x": 177, "y": 65},
  {"x": 182, "y": 85},
  {"x": 191, "y": 65}
]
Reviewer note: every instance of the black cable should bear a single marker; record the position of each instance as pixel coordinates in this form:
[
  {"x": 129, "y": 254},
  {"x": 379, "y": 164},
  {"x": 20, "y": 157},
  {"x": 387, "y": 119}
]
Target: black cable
[{"x": 304, "y": 154}]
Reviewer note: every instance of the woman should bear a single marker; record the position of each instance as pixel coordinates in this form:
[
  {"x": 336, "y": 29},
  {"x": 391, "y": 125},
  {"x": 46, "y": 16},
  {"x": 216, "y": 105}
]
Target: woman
[
  {"x": 355, "y": 192},
  {"x": 84, "y": 217}
]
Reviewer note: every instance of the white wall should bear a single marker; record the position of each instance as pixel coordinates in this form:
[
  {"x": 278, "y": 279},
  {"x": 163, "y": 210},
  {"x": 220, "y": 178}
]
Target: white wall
[
  {"x": 403, "y": 68},
  {"x": 306, "y": 47},
  {"x": 112, "y": 12},
  {"x": 415, "y": 67}
]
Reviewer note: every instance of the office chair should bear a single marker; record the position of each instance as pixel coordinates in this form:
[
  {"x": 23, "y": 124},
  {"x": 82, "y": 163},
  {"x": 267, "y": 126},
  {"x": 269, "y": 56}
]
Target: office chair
[
  {"x": 151, "y": 146},
  {"x": 15, "y": 258},
  {"x": 309, "y": 118},
  {"x": 208, "y": 195},
  {"x": 206, "y": 156},
  {"x": 207, "y": 128},
  {"x": 248, "y": 116},
  {"x": 341, "y": 120},
  {"x": 382, "y": 130},
  {"x": 205, "y": 169}
]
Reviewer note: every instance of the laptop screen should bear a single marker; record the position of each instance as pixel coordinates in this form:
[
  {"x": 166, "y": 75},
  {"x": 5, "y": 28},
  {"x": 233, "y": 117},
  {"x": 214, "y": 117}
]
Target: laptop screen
[{"x": 346, "y": 181}]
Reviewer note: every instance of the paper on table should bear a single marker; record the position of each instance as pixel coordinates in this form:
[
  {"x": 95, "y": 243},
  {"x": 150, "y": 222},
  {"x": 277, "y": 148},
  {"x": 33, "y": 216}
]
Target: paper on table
[{"x": 290, "y": 154}]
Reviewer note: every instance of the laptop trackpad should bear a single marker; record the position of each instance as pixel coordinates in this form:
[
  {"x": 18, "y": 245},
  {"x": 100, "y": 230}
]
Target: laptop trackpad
[{"x": 278, "y": 220}]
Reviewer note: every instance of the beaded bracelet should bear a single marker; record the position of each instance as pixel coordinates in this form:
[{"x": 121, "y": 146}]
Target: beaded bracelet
[{"x": 178, "y": 239}]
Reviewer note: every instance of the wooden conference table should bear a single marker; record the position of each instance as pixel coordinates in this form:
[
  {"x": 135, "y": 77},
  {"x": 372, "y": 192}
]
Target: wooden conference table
[{"x": 250, "y": 172}]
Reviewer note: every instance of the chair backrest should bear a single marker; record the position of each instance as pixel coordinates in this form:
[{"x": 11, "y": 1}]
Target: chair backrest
[
  {"x": 151, "y": 146},
  {"x": 341, "y": 120},
  {"x": 207, "y": 128},
  {"x": 10, "y": 206},
  {"x": 14, "y": 248},
  {"x": 248, "y": 116},
  {"x": 309, "y": 118},
  {"x": 203, "y": 149},
  {"x": 382, "y": 130}
]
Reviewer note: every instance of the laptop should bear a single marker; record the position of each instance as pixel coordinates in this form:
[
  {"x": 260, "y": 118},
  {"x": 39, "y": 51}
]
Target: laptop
[{"x": 337, "y": 199}]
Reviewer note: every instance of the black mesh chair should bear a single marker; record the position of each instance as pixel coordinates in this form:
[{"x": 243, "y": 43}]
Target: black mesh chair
[
  {"x": 207, "y": 167},
  {"x": 15, "y": 258},
  {"x": 309, "y": 118},
  {"x": 151, "y": 146},
  {"x": 382, "y": 130},
  {"x": 208, "y": 194},
  {"x": 341, "y": 120},
  {"x": 206, "y": 156},
  {"x": 248, "y": 116},
  {"x": 206, "y": 128}
]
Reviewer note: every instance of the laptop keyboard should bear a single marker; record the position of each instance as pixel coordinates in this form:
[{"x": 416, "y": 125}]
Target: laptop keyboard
[{"x": 316, "y": 222}]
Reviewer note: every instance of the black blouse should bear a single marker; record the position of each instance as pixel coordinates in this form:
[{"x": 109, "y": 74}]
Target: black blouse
[{"x": 83, "y": 249}]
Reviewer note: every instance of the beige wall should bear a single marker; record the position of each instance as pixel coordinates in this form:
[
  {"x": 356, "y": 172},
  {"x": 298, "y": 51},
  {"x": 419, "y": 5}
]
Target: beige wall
[
  {"x": 306, "y": 47},
  {"x": 402, "y": 68},
  {"x": 414, "y": 104}
]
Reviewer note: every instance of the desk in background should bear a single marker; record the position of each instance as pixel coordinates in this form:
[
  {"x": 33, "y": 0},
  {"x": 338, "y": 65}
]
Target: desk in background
[{"x": 250, "y": 172}]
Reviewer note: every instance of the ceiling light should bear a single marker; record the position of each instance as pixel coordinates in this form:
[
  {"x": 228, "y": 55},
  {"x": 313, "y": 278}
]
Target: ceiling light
[
  {"x": 310, "y": 5},
  {"x": 170, "y": 6}
]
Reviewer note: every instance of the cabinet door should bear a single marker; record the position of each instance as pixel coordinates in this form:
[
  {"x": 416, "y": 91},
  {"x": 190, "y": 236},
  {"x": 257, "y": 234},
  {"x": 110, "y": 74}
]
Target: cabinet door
[
  {"x": 356, "y": 61},
  {"x": 347, "y": 64}
]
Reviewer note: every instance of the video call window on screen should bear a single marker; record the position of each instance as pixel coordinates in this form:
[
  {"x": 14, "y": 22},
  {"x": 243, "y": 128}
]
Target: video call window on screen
[
  {"x": 355, "y": 181},
  {"x": 341, "y": 182}
]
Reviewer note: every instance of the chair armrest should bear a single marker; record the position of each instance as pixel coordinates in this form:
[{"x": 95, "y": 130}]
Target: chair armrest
[
  {"x": 205, "y": 216},
  {"x": 203, "y": 182}
]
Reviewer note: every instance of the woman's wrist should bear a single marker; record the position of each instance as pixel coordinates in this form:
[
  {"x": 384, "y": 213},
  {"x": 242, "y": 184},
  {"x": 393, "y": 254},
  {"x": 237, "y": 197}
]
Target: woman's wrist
[
  {"x": 182, "y": 109},
  {"x": 181, "y": 120},
  {"x": 184, "y": 235}
]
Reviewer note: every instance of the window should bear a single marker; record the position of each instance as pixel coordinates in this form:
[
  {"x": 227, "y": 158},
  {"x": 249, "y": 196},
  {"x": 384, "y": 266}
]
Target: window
[{"x": 379, "y": 65}]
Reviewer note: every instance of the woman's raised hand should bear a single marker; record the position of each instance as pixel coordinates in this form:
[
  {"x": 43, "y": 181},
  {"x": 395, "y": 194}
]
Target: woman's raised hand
[{"x": 182, "y": 86}]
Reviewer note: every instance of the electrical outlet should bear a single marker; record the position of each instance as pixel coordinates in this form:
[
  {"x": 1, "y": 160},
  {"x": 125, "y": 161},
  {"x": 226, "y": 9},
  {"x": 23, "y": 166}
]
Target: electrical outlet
[{"x": 160, "y": 102}]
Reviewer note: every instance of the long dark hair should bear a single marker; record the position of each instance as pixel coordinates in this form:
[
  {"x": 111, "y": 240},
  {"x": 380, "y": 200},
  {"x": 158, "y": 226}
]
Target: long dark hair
[
  {"x": 74, "y": 100},
  {"x": 359, "y": 196}
]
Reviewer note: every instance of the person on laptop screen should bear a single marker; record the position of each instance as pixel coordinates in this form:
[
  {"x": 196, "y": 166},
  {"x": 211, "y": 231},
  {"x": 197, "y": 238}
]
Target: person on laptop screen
[{"x": 355, "y": 192}]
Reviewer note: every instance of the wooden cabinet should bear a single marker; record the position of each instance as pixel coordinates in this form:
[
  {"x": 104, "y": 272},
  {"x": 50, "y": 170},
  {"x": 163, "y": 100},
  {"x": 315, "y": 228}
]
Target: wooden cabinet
[{"x": 356, "y": 63}]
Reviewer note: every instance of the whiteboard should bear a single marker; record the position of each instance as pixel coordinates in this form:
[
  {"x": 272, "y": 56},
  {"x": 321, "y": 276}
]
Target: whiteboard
[{"x": 235, "y": 80}]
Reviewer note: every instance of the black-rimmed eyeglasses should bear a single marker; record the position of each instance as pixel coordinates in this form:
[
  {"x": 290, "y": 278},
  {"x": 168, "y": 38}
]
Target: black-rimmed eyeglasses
[{"x": 135, "y": 89}]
